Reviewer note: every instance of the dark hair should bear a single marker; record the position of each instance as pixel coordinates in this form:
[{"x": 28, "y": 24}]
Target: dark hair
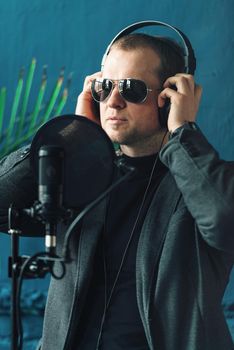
[{"x": 169, "y": 52}]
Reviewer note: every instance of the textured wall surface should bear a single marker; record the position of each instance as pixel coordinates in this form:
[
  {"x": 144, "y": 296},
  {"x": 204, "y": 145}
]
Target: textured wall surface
[{"x": 74, "y": 34}]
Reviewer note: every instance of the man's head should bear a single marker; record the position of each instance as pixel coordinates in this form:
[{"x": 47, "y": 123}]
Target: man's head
[
  {"x": 136, "y": 126},
  {"x": 169, "y": 52}
]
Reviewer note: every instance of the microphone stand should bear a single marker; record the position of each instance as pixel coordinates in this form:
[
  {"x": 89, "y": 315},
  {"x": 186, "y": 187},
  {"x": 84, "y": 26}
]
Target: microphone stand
[
  {"x": 48, "y": 210},
  {"x": 16, "y": 264},
  {"x": 41, "y": 263}
]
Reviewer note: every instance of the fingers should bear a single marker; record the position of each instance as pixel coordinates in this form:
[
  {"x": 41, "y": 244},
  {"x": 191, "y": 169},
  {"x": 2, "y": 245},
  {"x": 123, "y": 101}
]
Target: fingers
[
  {"x": 184, "y": 96},
  {"x": 85, "y": 104},
  {"x": 183, "y": 83},
  {"x": 88, "y": 81},
  {"x": 178, "y": 87},
  {"x": 166, "y": 93}
]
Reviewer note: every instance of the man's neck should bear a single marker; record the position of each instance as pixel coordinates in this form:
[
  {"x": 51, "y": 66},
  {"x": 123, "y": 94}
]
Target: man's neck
[{"x": 143, "y": 149}]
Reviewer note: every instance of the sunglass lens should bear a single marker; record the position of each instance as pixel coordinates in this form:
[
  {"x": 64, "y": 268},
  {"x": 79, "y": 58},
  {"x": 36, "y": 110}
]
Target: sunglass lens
[
  {"x": 134, "y": 90},
  {"x": 101, "y": 89}
]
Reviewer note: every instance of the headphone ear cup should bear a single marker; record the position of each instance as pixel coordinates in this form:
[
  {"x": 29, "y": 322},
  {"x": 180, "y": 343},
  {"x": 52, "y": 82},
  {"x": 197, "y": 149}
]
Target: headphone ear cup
[
  {"x": 97, "y": 109},
  {"x": 163, "y": 113}
]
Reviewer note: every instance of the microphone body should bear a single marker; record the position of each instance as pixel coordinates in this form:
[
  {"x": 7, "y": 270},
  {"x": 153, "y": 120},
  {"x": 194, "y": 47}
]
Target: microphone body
[{"x": 50, "y": 191}]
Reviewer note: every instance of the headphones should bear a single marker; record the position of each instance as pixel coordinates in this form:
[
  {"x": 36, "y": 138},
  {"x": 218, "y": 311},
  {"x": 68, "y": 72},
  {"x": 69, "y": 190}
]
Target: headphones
[{"x": 188, "y": 54}]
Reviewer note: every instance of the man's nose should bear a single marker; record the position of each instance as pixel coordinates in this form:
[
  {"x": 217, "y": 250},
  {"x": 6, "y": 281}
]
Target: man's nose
[{"x": 115, "y": 100}]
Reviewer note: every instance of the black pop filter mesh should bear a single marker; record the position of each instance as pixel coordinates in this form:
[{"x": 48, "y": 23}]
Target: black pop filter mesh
[{"x": 89, "y": 157}]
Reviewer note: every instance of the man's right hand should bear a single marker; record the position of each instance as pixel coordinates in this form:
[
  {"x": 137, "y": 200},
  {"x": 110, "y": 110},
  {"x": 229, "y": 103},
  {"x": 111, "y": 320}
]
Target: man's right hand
[{"x": 85, "y": 104}]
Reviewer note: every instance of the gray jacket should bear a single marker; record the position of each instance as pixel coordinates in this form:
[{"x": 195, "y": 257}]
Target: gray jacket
[{"x": 184, "y": 257}]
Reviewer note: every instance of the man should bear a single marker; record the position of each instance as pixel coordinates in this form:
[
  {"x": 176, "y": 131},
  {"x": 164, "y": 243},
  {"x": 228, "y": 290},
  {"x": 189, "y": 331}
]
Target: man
[
  {"x": 151, "y": 262},
  {"x": 178, "y": 285}
]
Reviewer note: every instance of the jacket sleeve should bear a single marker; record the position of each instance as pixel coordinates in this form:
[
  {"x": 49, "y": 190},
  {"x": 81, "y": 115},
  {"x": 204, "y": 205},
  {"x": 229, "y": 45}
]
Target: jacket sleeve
[
  {"x": 206, "y": 183},
  {"x": 18, "y": 188}
]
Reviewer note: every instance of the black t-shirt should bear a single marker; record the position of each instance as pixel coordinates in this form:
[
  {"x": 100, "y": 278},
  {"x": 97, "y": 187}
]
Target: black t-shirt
[{"x": 122, "y": 328}]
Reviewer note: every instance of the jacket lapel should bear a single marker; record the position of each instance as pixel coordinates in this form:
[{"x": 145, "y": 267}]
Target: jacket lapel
[
  {"x": 150, "y": 245},
  {"x": 91, "y": 229}
]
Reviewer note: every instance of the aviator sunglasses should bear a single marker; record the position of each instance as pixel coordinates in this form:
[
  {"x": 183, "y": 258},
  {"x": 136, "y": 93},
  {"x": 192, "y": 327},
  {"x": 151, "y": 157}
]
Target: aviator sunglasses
[{"x": 132, "y": 90}]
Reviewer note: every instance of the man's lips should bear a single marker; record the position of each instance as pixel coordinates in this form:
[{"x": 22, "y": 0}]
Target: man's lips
[{"x": 116, "y": 120}]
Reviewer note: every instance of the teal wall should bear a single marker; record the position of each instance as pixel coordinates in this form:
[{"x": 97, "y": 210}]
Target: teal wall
[{"x": 74, "y": 34}]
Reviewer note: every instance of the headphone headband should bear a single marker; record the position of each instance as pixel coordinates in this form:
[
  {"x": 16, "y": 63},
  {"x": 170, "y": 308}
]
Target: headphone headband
[{"x": 189, "y": 57}]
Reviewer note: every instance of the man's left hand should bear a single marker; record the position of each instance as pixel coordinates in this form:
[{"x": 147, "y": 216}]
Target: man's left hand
[{"x": 184, "y": 99}]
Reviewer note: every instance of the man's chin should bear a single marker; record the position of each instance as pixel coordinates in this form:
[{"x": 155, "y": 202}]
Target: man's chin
[
  {"x": 119, "y": 140},
  {"x": 115, "y": 137}
]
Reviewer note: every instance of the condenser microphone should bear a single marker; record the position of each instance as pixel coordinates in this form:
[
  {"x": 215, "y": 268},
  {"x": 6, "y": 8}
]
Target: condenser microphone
[{"x": 50, "y": 190}]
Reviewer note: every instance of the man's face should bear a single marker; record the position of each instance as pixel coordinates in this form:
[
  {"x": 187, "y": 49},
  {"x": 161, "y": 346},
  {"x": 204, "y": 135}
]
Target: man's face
[{"x": 134, "y": 126}]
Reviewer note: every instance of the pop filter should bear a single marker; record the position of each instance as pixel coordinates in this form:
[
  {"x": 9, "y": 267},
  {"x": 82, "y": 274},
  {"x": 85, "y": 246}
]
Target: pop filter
[{"x": 89, "y": 157}]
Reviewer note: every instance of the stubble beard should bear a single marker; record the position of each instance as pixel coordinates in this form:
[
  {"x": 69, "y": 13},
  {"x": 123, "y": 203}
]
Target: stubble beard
[{"x": 143, "y": 144}]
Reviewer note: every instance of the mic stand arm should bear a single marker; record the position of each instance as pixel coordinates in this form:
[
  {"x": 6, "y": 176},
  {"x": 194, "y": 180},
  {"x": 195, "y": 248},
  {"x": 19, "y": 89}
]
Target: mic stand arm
[{"x": 36, "y": 269}]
